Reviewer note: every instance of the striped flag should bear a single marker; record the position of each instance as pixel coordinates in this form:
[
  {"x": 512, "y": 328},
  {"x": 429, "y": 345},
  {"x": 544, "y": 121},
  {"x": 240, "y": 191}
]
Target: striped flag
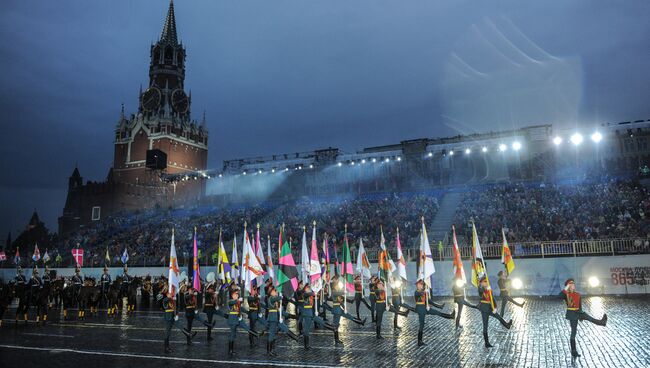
[
  {"x": 37, "y": 254},
  {"x": 269, "y": 259},
  {"x": 315, "y": 279},
  {"x": 386, "y": 265},
  {"x": 348, "y": 269},
  {"x": 251, "y": 266},
  {"x": 427, "y": 268},
  {"x": 46, "y": 257},
  {"x": 506, "y": 256},
  {"x": 196, "y": 271},
  {"x": 326, "y": 260},
  {"x": 234, "y": 270},
  {"x": 459, "y": 271}
]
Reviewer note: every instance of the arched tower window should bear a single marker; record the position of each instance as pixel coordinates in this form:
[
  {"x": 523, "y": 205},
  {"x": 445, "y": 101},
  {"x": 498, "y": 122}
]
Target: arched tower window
[
  {"x": 156, "y": 55},
  {"x": 169, "y": 55}
]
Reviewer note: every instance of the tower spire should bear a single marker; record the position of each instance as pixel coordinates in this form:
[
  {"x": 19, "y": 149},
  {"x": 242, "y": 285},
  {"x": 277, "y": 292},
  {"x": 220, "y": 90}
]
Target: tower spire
[{"x": 169, "y": 29}]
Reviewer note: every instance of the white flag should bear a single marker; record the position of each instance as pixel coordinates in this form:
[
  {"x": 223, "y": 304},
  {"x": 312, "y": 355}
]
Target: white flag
[
  {"x": 234, "y": 269},
  {"x": 174, "y": 271},
  {"x": 427, "y": 268},
  {"x": 363, "y": 265},
  {"x": 250, "y": 264},
  {"x": 401, "y": 261}
]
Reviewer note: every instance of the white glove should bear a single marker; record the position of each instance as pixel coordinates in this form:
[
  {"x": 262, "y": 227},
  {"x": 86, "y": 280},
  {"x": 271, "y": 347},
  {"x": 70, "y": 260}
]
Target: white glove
[
  {"x": 240, "y": 318},
  {"x": 196, "y": 312},
  {"x": 176, "y": 318},
  {"x": 566, "y": 288},
  {"x": 241, "y": 299},
  {"x": 260, "y": 315}
]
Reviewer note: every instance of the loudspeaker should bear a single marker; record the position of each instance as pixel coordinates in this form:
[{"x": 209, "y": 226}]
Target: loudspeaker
[{"x": 156, "y": 159}]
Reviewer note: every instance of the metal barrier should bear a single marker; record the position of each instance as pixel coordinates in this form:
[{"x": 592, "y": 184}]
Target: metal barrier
[{"x": 560, "y": 248}]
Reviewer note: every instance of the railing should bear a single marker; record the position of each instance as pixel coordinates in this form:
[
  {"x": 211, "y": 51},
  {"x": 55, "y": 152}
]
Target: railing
[{"x": 561, "y": 248}]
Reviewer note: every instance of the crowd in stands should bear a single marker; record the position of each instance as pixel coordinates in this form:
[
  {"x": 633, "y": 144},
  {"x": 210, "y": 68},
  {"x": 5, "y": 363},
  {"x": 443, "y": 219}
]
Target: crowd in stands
[
  {"x": 528, "y": 213},
  {"x": 544, "y": 212}
]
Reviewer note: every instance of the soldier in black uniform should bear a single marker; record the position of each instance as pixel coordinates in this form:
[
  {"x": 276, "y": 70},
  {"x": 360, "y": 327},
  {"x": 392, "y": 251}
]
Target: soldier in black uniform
[
  {"x": 21, "y": 293},
  {"x": 358, "y": 295},
  {"x": 574, "y": 313},
  {"x": 485, "y": 293},
  {"x": 504, "y": 289},
  {"x": 458, "y": 289},
  {"x": 104, "y": 284},
  {"x": 422, "y": 309},
  {"x": 77, "y": 283},
  {"x": 47, "y": 286},
  {"x": 35, "y": 287},
  {"x": 124, "y": 290}
]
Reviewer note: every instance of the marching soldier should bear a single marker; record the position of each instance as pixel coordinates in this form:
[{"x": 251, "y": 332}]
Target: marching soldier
[
  {"x": 308, "y": 317},
  {"x": 372, "y": 286},
  {"x": 458, "y": 289},
  {"x": 190, "y": 311},
  {"x": 171, "y": 318},
  {"x": 338, "y": 301},
  {"x": 235, "y": 320},
  {"x": 35, "y": 287},
  {"x": 126, "y": 284},
  {"x": 504, "y": 289},
  {"x": 47, "y": 285},
  {"x": 299, "y": 301},
  {"x": 273, "y": 307},
  {"x": 574, "y": 313},
  {"x": 397, "y": 303},
  {"x": 380, "y": 306},
  {"x": 210, "y": 307},
  {"x": 358, "y": 295},
  {"x": 485, "y": 293},
  {"x": 422, "y": 309},
  {"x": 77, "y": 283},
  {"x": 105, "y": 283},
  {"x": 254, "y": 313},
  {"x": 323, "y": 302},
  {"x": 20, "y": 290}
]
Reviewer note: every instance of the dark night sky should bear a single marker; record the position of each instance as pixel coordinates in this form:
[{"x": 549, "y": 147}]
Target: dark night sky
[{"x": 294, "y": 75}]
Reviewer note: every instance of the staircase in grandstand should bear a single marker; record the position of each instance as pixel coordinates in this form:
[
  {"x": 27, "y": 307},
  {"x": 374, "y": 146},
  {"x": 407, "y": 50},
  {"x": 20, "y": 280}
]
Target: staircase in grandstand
[{"x": 441, "y": 226}]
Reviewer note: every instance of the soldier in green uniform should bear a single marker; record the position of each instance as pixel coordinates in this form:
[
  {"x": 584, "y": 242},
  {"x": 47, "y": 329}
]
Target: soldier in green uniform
[
  {"x": 20, "y": 289},
  {"x": 397, "y": 303},
  {"x": 574, "y": 313},
  {"x": 422, "y": 309},
  {"x": 487, "y": 311},
  {"x": 380, "y": 306},
  {"x": 308, "y": 316},
  {"x": 458, "y": 289},
  {"x": 35, "y": 286},
  {"x": 77, "y": 283},
  {"x": 171, "y": 319},
  {"x": 190, "y": 311},
  {"x": 338, "y": 302},
  {"x": 254, "y": 313},
  {"x": 210, "y": 307},
  {"x": 358, "y": 295},
  {"x": 235, "y": 320},
  {"x": 298, "y": 302},
  {"x": 372, "y": 287},
  {"x": 504, "y": 289}
]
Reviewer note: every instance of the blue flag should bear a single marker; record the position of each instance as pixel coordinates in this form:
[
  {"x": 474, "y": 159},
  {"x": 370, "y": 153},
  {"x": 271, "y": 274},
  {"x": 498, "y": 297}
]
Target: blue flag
[{"x": 125, "y": 257}]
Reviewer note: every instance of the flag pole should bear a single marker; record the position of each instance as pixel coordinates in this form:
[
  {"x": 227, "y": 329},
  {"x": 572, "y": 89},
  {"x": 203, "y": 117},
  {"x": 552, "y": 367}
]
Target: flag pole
[
  {"x": 422, "y": 260},
  {"x": 345, "y": 286},
  {"x": 401, "y": 289}
]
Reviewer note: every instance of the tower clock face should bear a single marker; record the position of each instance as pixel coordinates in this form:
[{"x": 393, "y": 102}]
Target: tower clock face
[
  {"x": 180, "y": 102},
  {"x": 151, "y": 99}
]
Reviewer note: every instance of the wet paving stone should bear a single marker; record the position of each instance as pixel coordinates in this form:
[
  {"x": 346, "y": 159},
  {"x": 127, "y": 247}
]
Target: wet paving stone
[{"x": 539, "y": 338}]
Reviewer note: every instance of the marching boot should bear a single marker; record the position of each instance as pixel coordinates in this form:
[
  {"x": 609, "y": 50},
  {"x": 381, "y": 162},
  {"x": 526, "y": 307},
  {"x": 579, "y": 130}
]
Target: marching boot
[
  {"x": 210, "y": 334},
  {"x": 420, "y": 342},
  {"x": 506, "y": 324},
  {"x": 574, "y": 351},
  {"x": 451, "y": 315},
  {"x": 487, "y": 340},
  {"x": 359, "y": 321},
  {"x": 521, "y": 304},
  {"x": 403, "y": 314},
  {"x": 273, "y": 353},
  {"x": 231, "y": 348},
  {"x": 38, "y": 319},
  {"x": 395, "y": 326},
  {"x": 330, "y": 327},
  {"x": 255, "y": 333},
  {"x": 167, "y": 348},
  {"x": 307, "y": 347},
  {"x": 293, "y": 336},
  {"x": 603, "y": 321},
  {"x": 379, "y": 337},
  {"x": 337, "y": 341},
  {"x": 268, "y": 348},
  {"x": 410, "y": 308},
  {"x": 439, "y": 306},
  {"x": 251, "y": 340},
  {"x": 372, "y": 316}
]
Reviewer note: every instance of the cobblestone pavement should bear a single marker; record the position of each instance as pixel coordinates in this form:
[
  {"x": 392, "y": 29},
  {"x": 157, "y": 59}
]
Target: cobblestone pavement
[{"x": 539, "y": 338}]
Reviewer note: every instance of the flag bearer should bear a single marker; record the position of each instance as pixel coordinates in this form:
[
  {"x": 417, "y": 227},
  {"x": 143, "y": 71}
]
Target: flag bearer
[
  {"x": 504, "y": 289},
  {"x": 422, "y": 309},
  {"x": 458, "y": 289},
  {"x": 488, "y": 309},
  {"x": 574, "y": 313}
]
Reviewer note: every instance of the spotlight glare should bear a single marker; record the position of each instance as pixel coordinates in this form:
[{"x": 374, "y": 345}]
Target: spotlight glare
[
  {"x": 220, "y": 175},
  {"x": 451, "y": 153},
  {"x": 340, "y": 164},
  {"x": 596, "y": 137},
  {"x": 576, "y": 139},
  {"x": 468, "y": 151},
  {"x": 399, "y": 158},
  {"x": 516, "y": 146},
  {"x": 594, "y": 282},
  {"x": 272, "y": 170},
  {"x": 430, "y": 154},
  {"x": 374, "y": 160},
  {"x": 244, "y": 172},
  {"x": 387, "y": 159},
  {"x": 311, "y": 166},
  {"x": 352, "y": 163},
  {"x": 460, "y": 283},
  {"x": 557, "y": 140},
  {"x": 484, "y": 149},
  {"x": 259, "y": 171},
  {"x": 363, "y": 161},
  {"x": 287, "y": 169},
  {"x": 503, "y": 147},
  {"x": 517, "y": 283}
]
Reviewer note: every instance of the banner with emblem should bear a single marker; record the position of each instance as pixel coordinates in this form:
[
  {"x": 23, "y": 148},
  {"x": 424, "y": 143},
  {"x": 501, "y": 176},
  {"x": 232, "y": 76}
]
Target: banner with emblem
[
  {"x": 174, "y": 271},
  {"x": 78, "y": 256},
  {"x": 37, "y": 254}
]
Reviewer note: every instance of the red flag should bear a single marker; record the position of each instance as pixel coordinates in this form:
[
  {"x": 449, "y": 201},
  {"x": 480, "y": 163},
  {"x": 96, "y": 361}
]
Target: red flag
[{"x": 78, "y": 255}]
